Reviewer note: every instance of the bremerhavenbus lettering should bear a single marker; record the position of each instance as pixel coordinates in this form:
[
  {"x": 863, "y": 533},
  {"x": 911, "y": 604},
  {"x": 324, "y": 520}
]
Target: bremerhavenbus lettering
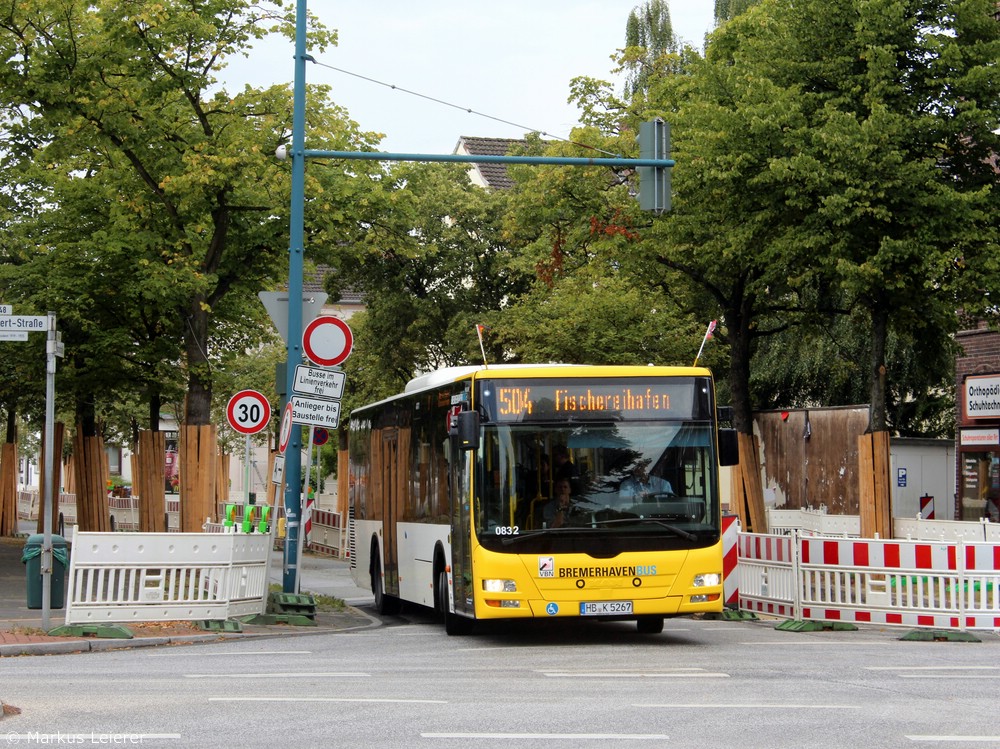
[{"x": 637, "y": 571}]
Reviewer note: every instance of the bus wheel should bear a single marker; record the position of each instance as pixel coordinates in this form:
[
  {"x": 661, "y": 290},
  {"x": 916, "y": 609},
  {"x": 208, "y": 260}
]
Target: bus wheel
[
  {"x": 453, "y": 623},
  {"x": 649, "y": 625},
  {"x": 384, "y": 604}
]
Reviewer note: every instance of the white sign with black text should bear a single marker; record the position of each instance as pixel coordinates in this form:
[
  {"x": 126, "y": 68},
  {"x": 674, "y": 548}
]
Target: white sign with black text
[{"x": 325, "y": 383}]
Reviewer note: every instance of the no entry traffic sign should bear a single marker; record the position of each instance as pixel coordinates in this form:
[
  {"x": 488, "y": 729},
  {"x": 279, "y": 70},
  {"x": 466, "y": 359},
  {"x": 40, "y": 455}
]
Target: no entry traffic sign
[
  {"x": 327, "y": 341},
  {"x": 285, "y": 433},
  {"x": 248, "y": 412}
]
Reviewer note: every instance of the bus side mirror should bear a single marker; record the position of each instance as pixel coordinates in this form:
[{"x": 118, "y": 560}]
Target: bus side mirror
[
  {"x": 466, "y": 430},
  {"x": 729, "y": 448}
]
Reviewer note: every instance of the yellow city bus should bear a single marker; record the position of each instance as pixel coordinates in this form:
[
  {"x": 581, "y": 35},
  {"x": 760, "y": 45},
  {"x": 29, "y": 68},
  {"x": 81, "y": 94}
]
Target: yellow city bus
[{"x": 453, "y": 484}]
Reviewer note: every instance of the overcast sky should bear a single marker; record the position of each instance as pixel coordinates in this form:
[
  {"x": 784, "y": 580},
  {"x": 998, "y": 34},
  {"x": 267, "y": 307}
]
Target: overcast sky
[{"x": 512, "y": 60}]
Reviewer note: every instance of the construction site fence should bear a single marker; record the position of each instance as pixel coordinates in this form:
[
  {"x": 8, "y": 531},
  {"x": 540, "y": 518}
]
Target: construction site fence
[
  {"x": 952, "y": 585},
  {"x": 144, "y": 577},
  {"x": 818, "y": 522}
]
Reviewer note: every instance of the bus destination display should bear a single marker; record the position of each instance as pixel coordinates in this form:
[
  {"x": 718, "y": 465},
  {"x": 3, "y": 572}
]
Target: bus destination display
[{"x": 521, "y": 400}]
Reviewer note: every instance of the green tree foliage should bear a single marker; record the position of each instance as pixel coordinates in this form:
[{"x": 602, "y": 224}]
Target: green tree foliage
[
  {"x": 837, "y": 155},
  {"x": 726, "y": 9},
  {"x": 148, "y": 199},
  {"x": 431, "y": 263},
  {"x": 594, "y": 297},
  {"x": 649, "y": 35}
]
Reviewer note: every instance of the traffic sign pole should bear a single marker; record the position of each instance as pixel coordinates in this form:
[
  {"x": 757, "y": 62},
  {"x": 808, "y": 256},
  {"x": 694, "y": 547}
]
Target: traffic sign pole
[{"x": 51, "y": 351}]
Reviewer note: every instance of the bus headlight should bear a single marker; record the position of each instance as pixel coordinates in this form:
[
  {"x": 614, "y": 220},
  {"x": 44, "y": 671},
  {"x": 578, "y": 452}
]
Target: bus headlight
[
  {"x": 707, "y": 580},
  {"x": 500, "y": 586}
]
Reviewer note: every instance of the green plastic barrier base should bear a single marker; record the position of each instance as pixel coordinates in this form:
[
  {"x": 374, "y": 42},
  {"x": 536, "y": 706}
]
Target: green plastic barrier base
[
  {"x": 295, "y": 620},
  {"x": 732, "y": 615},
  {"x": 938, "y": 635},
  {"x": 109, "y": 631},
  {"x": 217, "y": 625},
  {"x": 807, "y": 626},
  {"x": 299, "y": 604}
]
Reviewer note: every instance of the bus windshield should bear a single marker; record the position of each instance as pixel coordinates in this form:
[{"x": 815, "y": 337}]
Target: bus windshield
[{"x": 598, "y": 487}]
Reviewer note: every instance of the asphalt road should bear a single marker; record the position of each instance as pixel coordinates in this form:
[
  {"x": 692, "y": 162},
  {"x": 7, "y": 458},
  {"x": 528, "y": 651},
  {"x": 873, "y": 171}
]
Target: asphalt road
[{"x": 406, "y": 684}]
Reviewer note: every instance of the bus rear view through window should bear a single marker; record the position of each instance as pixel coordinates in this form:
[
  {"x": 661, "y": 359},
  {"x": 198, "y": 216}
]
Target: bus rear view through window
[{"x": 542, "y": 491}]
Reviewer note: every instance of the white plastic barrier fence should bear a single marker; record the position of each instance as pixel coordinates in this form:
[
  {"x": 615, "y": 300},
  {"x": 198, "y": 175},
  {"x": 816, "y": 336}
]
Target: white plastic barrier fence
[
  {"x": 816, "y": 522},
  {"x": 327, "y": 535},
  {"x": 944, "y": 530},
  {"x": 946, "y": 585},
  {"x": 27, "y": 505},
  {"x": 144, "y": 577},
  {"x": 819, "y": 523},
  {"x": 124, "y": 513}
]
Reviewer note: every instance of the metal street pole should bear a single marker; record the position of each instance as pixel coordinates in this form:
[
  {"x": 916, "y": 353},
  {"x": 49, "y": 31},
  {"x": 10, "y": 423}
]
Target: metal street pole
[
  {"x": 293, "y": 467},
  {"x": 50, "y": 419}
]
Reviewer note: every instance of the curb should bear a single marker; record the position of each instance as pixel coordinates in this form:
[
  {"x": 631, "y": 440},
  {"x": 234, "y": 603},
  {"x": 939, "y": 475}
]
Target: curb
[{"x": 353, "y": 619}]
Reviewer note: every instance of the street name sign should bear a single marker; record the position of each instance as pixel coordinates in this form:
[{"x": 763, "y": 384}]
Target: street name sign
[
  {"x": 326, "y": 383},
  {"x": 25, "y": 323},
  {"x": 315, "y": 412}
]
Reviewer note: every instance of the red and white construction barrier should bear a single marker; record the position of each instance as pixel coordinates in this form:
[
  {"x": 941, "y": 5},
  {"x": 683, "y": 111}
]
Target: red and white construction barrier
[
  {"x": 327, "y": 535},
  {"x": 730, "y": 556},
  {"x": 948, "y": 585}
]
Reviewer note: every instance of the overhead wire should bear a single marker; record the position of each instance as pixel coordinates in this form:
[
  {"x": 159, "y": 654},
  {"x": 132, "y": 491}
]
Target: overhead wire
[{"x": 467, "y": 110}]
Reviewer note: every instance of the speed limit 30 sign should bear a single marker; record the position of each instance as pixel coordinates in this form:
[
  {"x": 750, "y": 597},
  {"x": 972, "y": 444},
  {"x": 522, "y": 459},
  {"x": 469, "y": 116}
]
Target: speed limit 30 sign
[{"x": 248, "y": 412}]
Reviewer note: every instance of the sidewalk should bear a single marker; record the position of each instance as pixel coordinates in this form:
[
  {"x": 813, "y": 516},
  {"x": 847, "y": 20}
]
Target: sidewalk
[{"x": 21, "y": 632}]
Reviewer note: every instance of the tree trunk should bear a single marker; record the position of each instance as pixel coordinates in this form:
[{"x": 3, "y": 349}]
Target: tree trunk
[
  {"x": 738, "y": 336},
  {"x": 880, "y": 332},
  {"x": 198, "y": 404}
]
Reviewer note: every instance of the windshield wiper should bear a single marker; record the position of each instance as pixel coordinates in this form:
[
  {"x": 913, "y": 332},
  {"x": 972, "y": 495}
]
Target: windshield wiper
[
  {"x": 687, "y": 535},
  {"x": 656, "y": 521}
]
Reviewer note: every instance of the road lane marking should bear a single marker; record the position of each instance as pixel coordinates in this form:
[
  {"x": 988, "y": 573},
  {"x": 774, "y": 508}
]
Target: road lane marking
[
  {"x": 241, "y": 654},
  {"x": 957, "y": 739},
  {"x": 295, "y": 675},
  {"x": 744, "y": 706},
  {"x": 680, "y": 673},
  {"x": 328, "y": 699},
  {"x": 611, "y": 737},
  {"x": 932, "y": 668}
]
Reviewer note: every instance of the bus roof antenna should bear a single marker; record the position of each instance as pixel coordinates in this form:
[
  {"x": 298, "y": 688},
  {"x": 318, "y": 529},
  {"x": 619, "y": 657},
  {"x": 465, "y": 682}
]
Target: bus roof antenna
[{"x": 479, "y": 332}]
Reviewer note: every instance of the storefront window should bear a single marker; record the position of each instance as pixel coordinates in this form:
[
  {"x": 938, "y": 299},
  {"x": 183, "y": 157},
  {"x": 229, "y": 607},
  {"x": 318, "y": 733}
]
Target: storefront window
[{"x": 980, "y": 486}]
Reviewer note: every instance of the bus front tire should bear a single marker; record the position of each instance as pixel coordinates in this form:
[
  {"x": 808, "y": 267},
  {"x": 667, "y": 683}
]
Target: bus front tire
[
  {"x": 649, "y": 625},
  {"x": 453, "y": 623}
]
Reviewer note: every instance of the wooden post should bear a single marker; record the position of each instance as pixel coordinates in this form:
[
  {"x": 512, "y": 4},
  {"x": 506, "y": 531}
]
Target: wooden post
[
  {"x": 8, "y": 489},
  {"x": 90, "y": 463},
  {"x": 343, "y": 484},
  {"x": 875, "y": 492},
  {"x": 748, "y": 489},
  {"x": 198, "y": 450},
  {"x": 222, "y": 484},
  {"x": 149, "y": 482},
  {"x": 57, "y": 448}
]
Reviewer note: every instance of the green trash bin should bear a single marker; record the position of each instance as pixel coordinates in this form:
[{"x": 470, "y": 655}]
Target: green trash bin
[{"x": 32, "y": 559}]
